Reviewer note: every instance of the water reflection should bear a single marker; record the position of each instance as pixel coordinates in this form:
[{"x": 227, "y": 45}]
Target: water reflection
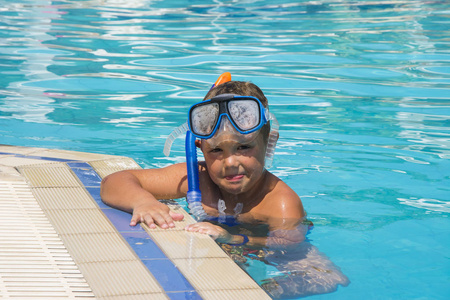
[
  {"x": 426, "y": 131},
  {"x": 30, "y": 63},
  {"x": 339, "y": 73}
]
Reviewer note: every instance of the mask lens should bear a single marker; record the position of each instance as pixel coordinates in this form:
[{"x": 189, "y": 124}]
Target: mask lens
[
  {"x": 204, "y": 118},
  {"x": 245, "y": 114}
]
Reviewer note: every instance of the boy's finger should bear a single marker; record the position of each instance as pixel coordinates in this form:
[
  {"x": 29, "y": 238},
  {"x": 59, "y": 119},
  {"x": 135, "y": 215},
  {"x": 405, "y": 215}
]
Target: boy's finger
[
  {"x": 176, "y": 216},
  {"x": 160, "y": 220},
  {"x": 149, "y": 221},
  {"x": 169, "y": 221},
  {"x": 134, "y": 220}
]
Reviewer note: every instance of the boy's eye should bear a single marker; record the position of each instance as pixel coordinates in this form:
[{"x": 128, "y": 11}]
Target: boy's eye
[
  {"x": 244, "y": 147},
  {"x": 215, "y": 150}
]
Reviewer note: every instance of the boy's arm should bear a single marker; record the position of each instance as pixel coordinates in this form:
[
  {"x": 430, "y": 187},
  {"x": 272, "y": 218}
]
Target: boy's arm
[
  {"x": 283, "y": 212},
  {"x": 138, "y": 191}
]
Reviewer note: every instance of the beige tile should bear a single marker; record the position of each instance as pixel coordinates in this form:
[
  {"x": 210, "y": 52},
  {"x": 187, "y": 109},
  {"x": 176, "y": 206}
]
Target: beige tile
[
  {"x": 80, "y": 221},
  {"x": 119, "y": 278},
  {"x": 45, "y": 165},
  {"x": 64, "y": 198},
  {"x": 182, "y": 244},
  {"x": 247, "y": 294},
  {"x": 214, "y": 274},
  {"x": 51, "y": 175},
  {"x": 98, "y": 247},
  {"x": 109, "y": 166}
]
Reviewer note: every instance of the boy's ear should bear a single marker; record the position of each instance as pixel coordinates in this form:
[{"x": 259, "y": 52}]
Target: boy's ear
[{"x": 198, "y": 143}]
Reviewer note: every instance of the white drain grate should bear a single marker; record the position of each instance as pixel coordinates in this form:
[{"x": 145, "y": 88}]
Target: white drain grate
[{"x": 33, "y": 260}]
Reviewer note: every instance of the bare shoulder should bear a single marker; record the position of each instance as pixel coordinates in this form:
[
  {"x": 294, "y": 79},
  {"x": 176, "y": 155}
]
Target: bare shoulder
[{"x": 282, "y": 201}]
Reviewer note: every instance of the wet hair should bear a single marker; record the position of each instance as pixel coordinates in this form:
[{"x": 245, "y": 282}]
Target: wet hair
[{"x": 242, "y": 88}]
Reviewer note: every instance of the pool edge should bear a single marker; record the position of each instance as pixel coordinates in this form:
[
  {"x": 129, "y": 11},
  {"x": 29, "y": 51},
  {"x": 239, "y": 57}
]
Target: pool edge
[{"x": 182, "y": 256}]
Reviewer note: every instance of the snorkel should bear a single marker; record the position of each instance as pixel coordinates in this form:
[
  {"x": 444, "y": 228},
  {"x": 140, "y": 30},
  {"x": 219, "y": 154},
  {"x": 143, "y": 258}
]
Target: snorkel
[{"x": 193, "y": 195}]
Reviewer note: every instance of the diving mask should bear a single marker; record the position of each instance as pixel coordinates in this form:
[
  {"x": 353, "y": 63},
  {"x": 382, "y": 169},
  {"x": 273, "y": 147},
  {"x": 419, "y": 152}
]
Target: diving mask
[
  {"x": 240, "y": 117},
  {"x": 245, "y": 113}
]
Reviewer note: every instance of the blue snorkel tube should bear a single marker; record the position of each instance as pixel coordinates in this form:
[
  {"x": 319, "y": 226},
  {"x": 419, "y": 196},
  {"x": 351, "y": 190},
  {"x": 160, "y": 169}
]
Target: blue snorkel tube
[{"x": 193, "y": 196}]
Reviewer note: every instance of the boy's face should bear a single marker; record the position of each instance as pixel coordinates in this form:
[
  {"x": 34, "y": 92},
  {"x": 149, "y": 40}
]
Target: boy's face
[{"x": 235, "y": 163}]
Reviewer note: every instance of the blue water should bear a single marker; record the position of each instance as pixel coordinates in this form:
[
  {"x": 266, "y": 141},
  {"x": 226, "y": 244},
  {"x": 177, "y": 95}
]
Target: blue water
[{"x": 361, "y": 90}]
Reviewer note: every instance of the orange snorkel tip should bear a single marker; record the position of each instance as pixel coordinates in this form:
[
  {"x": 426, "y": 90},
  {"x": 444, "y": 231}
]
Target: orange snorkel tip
[{"x": 225, "y": 77}]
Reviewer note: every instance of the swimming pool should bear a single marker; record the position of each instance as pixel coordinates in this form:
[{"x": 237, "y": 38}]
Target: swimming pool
[{"x": 360, "y": 88}]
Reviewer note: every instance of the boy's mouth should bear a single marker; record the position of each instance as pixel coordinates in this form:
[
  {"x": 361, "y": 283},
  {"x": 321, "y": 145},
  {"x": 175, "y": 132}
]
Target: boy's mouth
[{"x": 235, "y": 177}]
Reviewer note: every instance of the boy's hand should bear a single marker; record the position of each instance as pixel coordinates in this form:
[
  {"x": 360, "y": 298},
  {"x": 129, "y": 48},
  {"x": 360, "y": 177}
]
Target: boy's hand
[
  {"x": 155, "y": 213},
  {"x": 216, "y": 232}
]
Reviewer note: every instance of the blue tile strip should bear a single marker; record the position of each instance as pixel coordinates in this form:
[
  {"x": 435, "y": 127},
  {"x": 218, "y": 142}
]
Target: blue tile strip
[
  {"x": 176, "y": 286},
  {"x": 166, "y": 273}
]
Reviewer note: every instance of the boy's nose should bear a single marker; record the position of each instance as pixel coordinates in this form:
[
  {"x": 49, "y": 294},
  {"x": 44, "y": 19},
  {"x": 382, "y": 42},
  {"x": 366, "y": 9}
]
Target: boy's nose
[{"x": 231, "y": 160}]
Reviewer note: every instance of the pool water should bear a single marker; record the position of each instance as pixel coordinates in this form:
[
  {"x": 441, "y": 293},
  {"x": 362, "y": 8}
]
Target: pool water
[{"x": 361, "y": 90}]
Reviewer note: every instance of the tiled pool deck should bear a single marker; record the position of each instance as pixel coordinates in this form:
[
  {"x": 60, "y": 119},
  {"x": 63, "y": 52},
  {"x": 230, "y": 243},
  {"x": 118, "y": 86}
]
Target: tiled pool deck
[{"x": 59, "y": 240}]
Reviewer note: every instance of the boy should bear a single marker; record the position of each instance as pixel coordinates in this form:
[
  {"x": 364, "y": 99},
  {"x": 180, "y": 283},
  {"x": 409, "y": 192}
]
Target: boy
[
  {"x": 232, "y": 175},
  {"x": 235, "y": 137}
]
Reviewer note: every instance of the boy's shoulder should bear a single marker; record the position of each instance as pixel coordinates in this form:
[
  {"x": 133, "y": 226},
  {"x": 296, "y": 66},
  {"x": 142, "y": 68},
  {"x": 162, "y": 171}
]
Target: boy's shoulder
[
  {"x": 278, "y": 187},
  {"x": 281, "y": 200}
]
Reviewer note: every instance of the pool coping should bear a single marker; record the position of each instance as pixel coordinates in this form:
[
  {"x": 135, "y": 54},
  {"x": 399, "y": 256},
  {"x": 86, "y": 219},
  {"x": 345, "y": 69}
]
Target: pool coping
[{"x": 166, "y": 264}]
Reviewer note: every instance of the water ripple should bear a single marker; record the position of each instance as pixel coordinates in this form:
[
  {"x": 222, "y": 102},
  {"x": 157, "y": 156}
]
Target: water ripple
[{"x": 343, "y": 77}]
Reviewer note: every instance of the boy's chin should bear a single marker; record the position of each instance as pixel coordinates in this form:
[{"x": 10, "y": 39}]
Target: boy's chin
[{"x": 234, "y": 188}]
